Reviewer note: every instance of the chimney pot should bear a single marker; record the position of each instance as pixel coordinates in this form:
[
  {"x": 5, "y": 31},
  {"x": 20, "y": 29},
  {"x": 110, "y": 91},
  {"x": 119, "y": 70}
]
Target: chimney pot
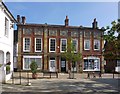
[
  {"x": 94, "y": 24},
  {"x": 66, "y": 21},
  {"x": 23, "y": 19},
  {"x": 18, "y": 18}
]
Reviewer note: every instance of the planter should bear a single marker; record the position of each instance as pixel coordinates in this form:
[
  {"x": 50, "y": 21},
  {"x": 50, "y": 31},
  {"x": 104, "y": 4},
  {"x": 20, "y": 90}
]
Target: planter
[
  {"x": 34, "y": 75},
  {"x": 7, "y": 72},
  {"x": 7, "y": 69}
]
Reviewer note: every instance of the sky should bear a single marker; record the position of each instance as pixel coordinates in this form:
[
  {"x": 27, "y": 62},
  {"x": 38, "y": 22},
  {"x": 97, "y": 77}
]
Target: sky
[{"x": 79, "y": 13}]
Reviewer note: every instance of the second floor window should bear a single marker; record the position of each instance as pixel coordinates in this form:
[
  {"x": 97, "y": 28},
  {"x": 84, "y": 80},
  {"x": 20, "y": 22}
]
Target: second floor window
[
  {"x": 26, "y": 44},
  {"x": 38, "y": 44},
  {"x": 52, "y": 44},
  {"x": 63, "y": 45},
  {"x": 86, "y": 44},
  {"x": 75, "y": 45},
  {"x": 6, "y": 27},
  {"x": 96, "y": 45}
]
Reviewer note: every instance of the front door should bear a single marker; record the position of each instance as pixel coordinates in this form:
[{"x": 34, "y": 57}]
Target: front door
[
  {"x": 52, "y": 65},
  {"x": 63, "y": 65}
]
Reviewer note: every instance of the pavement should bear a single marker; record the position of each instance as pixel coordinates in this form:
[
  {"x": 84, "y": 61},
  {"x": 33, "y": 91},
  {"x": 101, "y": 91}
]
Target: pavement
[{"x": 63, "y": 85}]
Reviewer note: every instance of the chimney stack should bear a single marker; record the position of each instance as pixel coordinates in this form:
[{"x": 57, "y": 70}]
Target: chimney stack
[
  {"x": 23, "y": 19},
  {"x": 18, "y": 18},
  {"x": 94, "y": 24},
  {"x": 66, "y": 21}
]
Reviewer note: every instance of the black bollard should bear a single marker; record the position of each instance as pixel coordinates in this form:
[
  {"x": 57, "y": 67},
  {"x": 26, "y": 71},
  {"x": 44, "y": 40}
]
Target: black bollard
[
  {"x": 20, "y": 76},
  {"x": 88, "y": 76},
  {"x": 12, "y": 78}
]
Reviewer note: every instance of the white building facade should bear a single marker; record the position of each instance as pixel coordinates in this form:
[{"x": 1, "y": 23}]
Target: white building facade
[{"x": 6, "y": 42}]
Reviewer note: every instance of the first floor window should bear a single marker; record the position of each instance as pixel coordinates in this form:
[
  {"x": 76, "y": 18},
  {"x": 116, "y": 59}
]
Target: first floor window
[
  {"x": 86, "y": 44},
  {"x": 6, "y": 27},
  {"x": 26, "y": 44},
  {"x": 28, "y": 59},
  {"x": 91, "y": 64},
  {"x": 74, "y": 42},
  {"x": 96, "y": 45},
  {"x": 38, "y": 44},
  {"x": 63, "y": 44},
  {"x": 52, "y": 45}
]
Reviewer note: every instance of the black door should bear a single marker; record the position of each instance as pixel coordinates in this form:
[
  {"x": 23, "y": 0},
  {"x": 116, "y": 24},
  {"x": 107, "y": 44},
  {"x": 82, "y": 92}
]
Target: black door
[{"x": 63, "y": 65}]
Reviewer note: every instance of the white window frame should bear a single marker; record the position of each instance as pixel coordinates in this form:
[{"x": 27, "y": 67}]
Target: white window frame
[
  {"x": 118, "y": 63},
  {"x": 6, "y": 27},
  {"x": 50, "y": 43},
  {"x": 61, "y": 44},
  {"x": 84, "y": 44},
  {"x": 76, "y": 45},
  {"x": 29, "y": 57},
  {"x": 91, "y": 57},
  {"x": 98, "y": 44},
  {"x": 41, "y": 45},
  {"x": 24, "y": 44}
]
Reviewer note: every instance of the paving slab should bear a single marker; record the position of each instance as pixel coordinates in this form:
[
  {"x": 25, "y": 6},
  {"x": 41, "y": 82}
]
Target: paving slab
[{"x": 64, "y": 85}]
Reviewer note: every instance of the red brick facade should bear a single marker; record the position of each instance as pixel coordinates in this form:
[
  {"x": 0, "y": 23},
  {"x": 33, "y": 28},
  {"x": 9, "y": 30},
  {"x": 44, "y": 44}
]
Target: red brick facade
[{"x": 51, "y": 37}]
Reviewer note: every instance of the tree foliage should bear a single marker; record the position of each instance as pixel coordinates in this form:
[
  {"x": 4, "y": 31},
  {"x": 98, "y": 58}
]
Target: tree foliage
[
  {"x": 70, "y": 54},
  {"x": 112, "y": 39}
]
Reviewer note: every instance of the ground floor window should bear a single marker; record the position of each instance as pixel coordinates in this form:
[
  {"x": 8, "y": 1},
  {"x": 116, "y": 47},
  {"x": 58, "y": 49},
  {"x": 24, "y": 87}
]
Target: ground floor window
[
  {"x": 118, "y": 63},
  {"x": 92, "y": 63},
  {"x": 28, "y": 59}
]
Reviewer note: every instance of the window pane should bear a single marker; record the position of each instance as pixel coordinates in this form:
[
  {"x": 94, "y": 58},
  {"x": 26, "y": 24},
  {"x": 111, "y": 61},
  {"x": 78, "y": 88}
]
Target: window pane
[
  {"x": 63, "y": 33},
  {"x": 39, "y": 62},
  {"x": 38, "y": 44},
  {"x": 26, "y": 63},
  {"x": 91, "y": 64},
  {"x": 74, "y": 42},
  {"x": 85, "y": 64},
  {"x": 97, "y": 34},
  {"x": 87, "y": 34},
  {"x": 87, "y": 45},
  {"x": 27, "y": 31},
  {"x": 38, "y": 31},
  {"x": 52, "y": 44},
  {"x": 6, "y": 26},
  {"x": 63, "y": 44},
  {"x": 74, "y": 34},
  {"x": 27, "y": 44},
  {"x": 96, "y": 44},
  {"x": 52, "y": 32}
]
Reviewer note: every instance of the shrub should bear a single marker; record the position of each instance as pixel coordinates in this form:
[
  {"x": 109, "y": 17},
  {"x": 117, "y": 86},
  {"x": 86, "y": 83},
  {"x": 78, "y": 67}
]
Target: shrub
[{"x": 33, "y": 67}]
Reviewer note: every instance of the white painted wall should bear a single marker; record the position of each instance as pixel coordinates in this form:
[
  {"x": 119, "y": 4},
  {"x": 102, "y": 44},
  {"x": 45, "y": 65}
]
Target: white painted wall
[{"x": 6, "y": 43}]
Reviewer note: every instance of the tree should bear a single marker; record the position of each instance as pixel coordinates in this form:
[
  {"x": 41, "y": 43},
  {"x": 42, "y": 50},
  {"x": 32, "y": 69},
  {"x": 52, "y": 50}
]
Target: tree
[
  {"x": 71, "y": 55},
  {"x": 112, "y": 39}
]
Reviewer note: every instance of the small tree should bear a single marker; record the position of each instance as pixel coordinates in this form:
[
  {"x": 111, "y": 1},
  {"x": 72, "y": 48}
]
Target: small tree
[{"x": 70, "y": 55}]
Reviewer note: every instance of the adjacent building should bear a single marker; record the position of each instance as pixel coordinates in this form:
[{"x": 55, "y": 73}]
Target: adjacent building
[
  {"x": 44, "y": 43},
  {"x": 6, "y": 42}
]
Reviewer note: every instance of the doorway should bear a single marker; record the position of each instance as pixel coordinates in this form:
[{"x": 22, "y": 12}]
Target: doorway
[
  {"x": 63, "y": 65},
  {"x": 52, "y": 65}
]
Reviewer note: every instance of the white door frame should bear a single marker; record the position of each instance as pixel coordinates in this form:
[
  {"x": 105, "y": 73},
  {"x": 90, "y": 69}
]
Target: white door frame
[{"x": 52, "y": 68}]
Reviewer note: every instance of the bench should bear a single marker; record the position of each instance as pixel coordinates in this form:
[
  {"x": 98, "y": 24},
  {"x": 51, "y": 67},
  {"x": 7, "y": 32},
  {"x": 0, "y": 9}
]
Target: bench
[
  {"x": 50, "y": 74},
  {"x": 94, "y": 74}
]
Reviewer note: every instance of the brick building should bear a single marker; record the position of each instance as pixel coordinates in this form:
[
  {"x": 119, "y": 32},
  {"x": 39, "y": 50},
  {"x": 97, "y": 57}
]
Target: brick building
[{"x": 44, "y": 44}]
